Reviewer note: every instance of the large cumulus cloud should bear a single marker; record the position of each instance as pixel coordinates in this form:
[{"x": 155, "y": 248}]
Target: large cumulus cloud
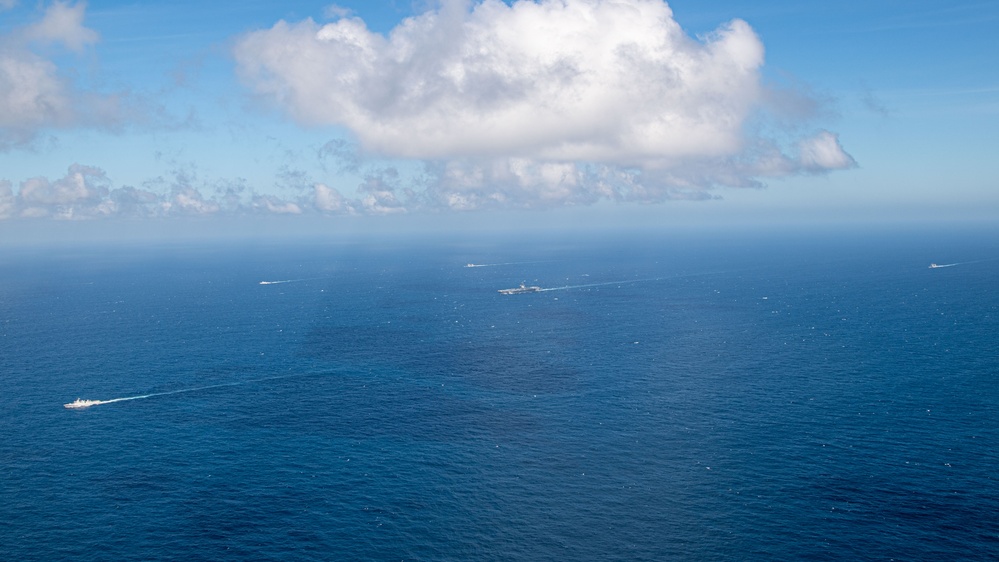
[{"x": 539, "y": 103}]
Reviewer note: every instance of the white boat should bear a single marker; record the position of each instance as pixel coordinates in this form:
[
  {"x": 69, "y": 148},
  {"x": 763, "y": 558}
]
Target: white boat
[{"x": 80, "y": 403}]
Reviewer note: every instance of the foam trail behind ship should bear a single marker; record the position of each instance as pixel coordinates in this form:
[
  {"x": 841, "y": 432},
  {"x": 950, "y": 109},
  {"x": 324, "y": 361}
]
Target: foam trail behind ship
[
  {"x": 183, "y": 390},
  {"x": 279, "y": 282},
  {"x": 975, "y": 261},
  {"x": 507, "y": 263},
  {"x": 943, "y": 265},
  {"x": 602, "y": 284},
  {"x": 646, "y": 280}
]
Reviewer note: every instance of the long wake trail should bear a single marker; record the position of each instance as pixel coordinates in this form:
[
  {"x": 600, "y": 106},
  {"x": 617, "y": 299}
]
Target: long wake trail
[
  {"x": 645, "y": 280},
  {"x": 88, "y": 403},
  {"x": 507, "y": 263},
  {"x": 938, "y": 266},
  {"x": 282, "y": 281},
  {"x": 604, "y": 284}
]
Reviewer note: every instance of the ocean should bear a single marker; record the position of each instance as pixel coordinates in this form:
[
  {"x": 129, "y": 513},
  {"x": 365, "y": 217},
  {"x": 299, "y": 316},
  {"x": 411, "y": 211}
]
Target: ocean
[{"x": 674, "y": 395}]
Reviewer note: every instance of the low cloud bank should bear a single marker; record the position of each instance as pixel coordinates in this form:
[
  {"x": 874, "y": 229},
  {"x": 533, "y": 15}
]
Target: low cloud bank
[
  {"x": 87, "y": 193},
  {"x": 539, "y": 103}
]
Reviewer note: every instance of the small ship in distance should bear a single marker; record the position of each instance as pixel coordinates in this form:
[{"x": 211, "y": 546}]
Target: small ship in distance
[
  {"x": 936, "y": 266},
  {"x": 520, "y": 290}
]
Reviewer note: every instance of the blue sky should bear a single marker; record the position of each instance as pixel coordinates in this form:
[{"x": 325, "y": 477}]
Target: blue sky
[{"x": 688, "y": 111}]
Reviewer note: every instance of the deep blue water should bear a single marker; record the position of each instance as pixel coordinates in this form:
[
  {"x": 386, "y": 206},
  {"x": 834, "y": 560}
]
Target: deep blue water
[{"x": 768, "y": 396}]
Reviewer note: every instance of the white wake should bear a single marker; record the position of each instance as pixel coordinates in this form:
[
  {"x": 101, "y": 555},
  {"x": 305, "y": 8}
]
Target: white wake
[{"x": 79, "y": 404}]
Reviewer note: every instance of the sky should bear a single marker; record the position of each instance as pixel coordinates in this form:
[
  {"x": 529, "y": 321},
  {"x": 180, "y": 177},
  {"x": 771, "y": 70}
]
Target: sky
[{"x": 704, "y": 111}]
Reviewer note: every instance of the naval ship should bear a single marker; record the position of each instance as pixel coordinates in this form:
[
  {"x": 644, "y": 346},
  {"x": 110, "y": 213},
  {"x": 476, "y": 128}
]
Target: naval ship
[
  {"x": 520, "y": 290},
  {"x": 80, "y": 403}
]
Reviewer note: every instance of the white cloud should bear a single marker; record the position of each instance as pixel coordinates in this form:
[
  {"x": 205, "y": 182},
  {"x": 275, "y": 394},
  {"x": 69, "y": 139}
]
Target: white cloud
[
  {"x": 532, "y": 93},
  {"x": 78, "y": 186},
  {"x": 190, "y": 201},
  {"x": 275, "y": 205},
  {"x": 7, "y": 200},
  {"x": 334, "y": 11},
  {"x": 823, "y": 152},
  {"x": 36, "y": 96},
  {"x": 575, "y": 80},
  {"x": 31, "y": 96},
  {"x": 378, "y": 195},
  {"x": 129, "y": 201},
  {"x": 63, "y": 24},
  {"x": 86, "y": 192},
  {"x": 513, "y": 182},
  {"x": 328, "y": 200},
  {"x": 81, "y": 193}
]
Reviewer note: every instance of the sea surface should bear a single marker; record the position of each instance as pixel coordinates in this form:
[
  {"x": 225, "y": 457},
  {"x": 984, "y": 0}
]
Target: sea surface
[{"x": 668, "y": 396}]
